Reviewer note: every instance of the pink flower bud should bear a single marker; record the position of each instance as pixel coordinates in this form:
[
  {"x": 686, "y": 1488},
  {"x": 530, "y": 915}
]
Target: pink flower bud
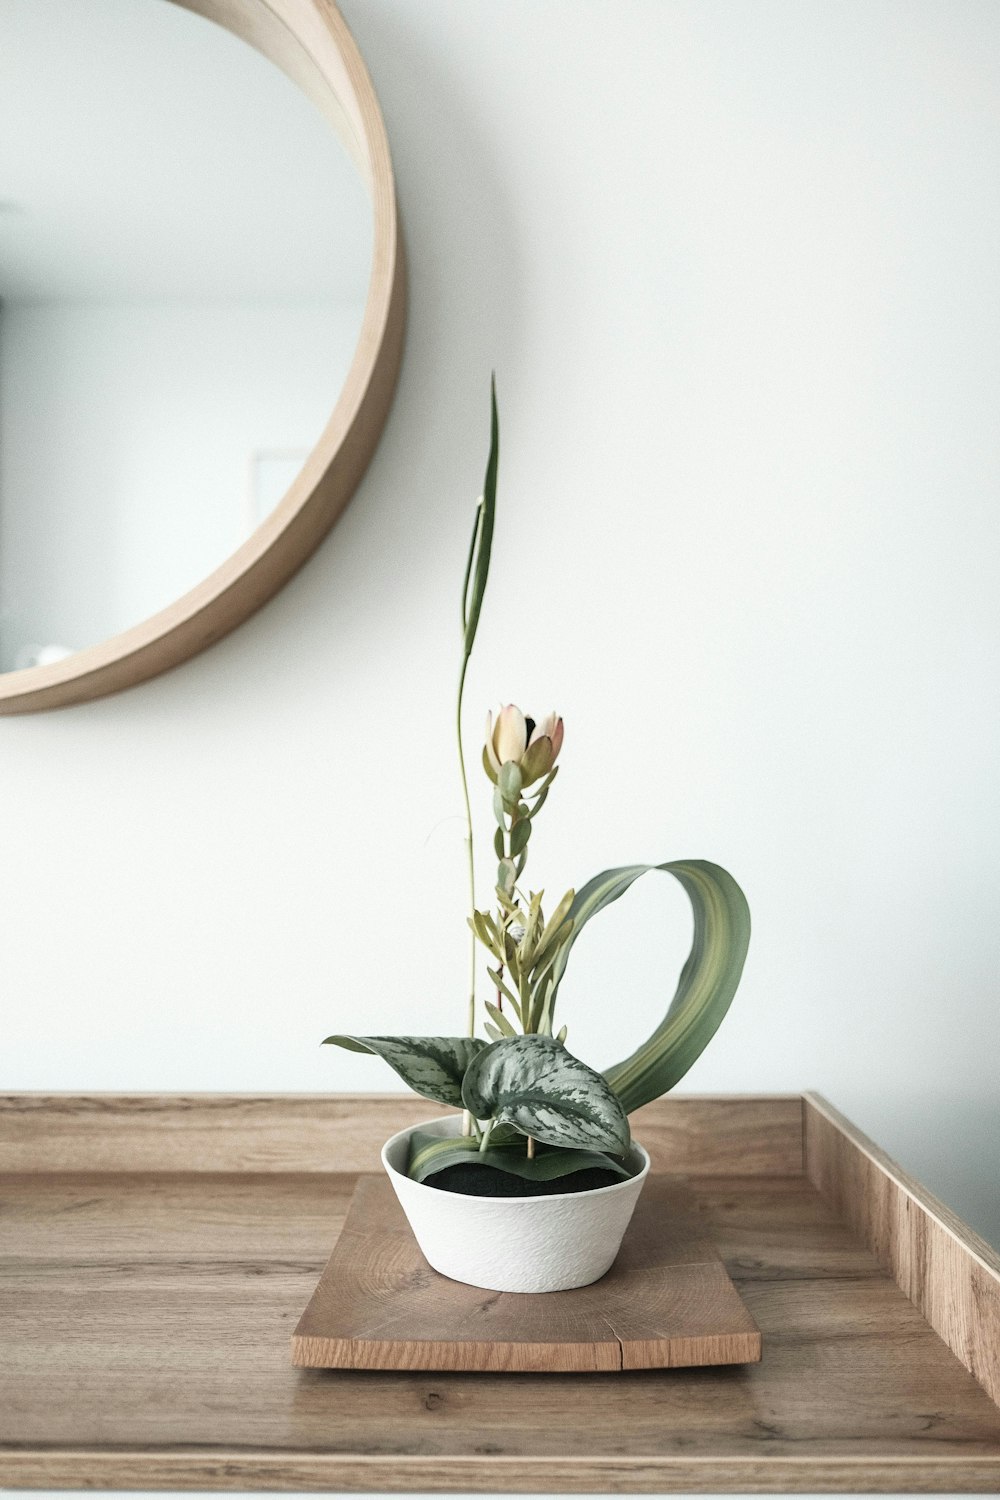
[{"x": 533, "y": 747}]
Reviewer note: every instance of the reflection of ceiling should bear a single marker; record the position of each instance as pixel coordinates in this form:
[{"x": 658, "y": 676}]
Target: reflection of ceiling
[{"x": 146, "y": 153}]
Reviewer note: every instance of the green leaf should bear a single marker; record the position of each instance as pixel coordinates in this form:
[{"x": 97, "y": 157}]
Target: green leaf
[
  {"x": 519, "y": 836},
  {"x": 508, "y": 994},
  {"x": 512, "y": 956},
  {"x": 498, "y": 808},
  {"x": 543, "y": 792},
  {"x": 433, "y": 1066},
  {"x": 554, "y": 924},
  {"x": 534, "y": 1084},
  {"x": 499, "y": 848},
  {"x": 488, "y": 768},
  {"x": 432, "y": 1153},
  {"x": 532, "y": 923},
  {"x": 493, "y": 1032},
  {"x": 482, "y": 932},
  {"x": 500, "y": 1021},
  {"x": 510, "y": 781},
  {"x": 545, "y": 1015},
  {"x": 480, "y": 927},
  {"x": 543, "y": 986},
  {"x": 478, "y": 566},
  {"x": 707, "y": 983}
]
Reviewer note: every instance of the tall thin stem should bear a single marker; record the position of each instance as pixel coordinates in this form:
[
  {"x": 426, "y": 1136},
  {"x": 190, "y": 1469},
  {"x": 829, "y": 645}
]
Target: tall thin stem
[
  {"x": 467, "y": 1121},
  {"x": 468, "y": 848},
  {"x": 477, "y": 569}
]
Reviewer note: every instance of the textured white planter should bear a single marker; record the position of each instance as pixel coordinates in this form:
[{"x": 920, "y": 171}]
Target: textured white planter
[{"x": 546, "y": 1244}]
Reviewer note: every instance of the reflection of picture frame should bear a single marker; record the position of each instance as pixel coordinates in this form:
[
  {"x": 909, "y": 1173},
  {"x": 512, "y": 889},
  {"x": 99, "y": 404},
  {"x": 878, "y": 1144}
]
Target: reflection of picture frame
[{"x": 272, "y": 471}]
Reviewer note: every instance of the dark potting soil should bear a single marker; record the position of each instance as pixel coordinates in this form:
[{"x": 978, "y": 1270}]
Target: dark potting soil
[{"x": 491, "y": 1182}]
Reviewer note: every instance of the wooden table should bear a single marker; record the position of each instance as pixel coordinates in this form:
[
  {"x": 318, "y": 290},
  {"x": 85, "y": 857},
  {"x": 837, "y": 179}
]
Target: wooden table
[{"x": 156, "y": 1252}]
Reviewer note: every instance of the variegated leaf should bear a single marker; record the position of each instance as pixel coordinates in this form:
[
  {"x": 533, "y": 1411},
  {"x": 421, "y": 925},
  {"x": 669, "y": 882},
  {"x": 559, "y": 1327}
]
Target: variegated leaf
[
  {"x": 433, "y": 1066},
  {"x": 534, "y": 1084},
  {"x": 707, "y": 983}
]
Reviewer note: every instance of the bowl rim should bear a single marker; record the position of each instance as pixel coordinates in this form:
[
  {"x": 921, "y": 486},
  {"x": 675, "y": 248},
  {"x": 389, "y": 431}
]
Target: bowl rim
[{"x": 637, "y": 1179}]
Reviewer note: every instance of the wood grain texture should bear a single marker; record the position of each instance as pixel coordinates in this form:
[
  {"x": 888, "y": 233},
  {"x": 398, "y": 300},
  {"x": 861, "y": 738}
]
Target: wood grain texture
[
  {"x": 667, "y": 1302},
  {"x": 951, "y": 1275},
  {"x": 310, "y": 41},
  {"x": 345, "y": 1132},
  {"x": 754, "y": 1134},
  {"x": 145, "y": 1321}
]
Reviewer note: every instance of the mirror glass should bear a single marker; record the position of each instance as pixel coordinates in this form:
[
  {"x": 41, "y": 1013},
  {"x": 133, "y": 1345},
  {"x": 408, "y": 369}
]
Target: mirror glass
[{"x": 185, "y": 250}]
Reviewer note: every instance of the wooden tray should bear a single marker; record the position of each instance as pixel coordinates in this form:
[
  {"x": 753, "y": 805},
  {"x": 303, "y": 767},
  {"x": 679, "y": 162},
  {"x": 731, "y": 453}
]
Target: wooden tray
[
  {"x": 156, "y": 1253},
  {"x": 667, "y": 1301}
]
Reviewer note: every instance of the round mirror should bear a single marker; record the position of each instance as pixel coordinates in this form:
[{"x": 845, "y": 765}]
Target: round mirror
[{"x": 200, "y": 322}]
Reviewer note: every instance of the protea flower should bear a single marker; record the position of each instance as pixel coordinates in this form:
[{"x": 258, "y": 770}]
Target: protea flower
[{"x": 514, "y": 737}]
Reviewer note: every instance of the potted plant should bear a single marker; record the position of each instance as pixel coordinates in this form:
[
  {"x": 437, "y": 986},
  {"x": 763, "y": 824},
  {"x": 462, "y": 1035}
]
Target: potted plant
[{"x": 532, "y": 1186}]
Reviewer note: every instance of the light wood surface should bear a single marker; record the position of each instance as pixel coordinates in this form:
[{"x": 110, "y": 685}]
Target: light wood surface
[
  {"x": 145, "y": 1325},
  {"x": 310, "y": 41},
  {"x": 951, "y": 1275},
  {"x": 666, "y": 1302},
  {"x": 145, "y": 1322},
  {"x": 346, "y": 1132}
]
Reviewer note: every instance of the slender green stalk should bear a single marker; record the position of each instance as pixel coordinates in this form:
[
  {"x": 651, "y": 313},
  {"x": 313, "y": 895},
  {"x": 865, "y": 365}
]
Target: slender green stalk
[
  {"x": 477, "y": 570},
  {"x": 503, "y": 921},
  {"x": 471, "y": 1023},
  {"x": 467, "y": 1121}
]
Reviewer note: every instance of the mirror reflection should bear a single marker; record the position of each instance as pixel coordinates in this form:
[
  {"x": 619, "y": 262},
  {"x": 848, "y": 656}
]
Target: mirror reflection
[{"x": 185, "y": 248}]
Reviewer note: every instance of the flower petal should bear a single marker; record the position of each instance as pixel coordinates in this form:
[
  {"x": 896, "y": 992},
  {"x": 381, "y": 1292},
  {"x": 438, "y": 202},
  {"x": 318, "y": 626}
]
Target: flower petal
[
  {"x": 489, "y": 750},
  {"x": 511, "y": 734},
  {"x": 544, "y": 726}
]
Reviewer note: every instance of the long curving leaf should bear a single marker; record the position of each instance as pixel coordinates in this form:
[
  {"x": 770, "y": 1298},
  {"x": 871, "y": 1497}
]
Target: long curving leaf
[
  {"x": 430, "y": 1154},
  {"x": 433, "y": 1066},
  {"x": 534, "y": 1084},
  {"x": 707, "y": 983}
]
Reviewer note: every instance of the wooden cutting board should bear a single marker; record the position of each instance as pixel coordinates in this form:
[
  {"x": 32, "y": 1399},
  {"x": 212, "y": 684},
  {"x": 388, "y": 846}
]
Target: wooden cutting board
[{"x": 667, "y": 1301}]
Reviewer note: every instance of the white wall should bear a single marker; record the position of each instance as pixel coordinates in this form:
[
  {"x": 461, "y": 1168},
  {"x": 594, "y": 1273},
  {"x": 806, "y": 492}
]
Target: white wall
[{"x": 736, "y": 268}]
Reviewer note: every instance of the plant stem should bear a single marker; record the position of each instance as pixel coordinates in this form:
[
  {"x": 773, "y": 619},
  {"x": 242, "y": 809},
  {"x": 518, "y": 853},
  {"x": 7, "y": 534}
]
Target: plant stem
[
  {"x": 471, "y": 1020},
  {"x": 531, "y": 1148},
  {"x": 503, "y": 920},
  {"x": 484, "y": 1143}
]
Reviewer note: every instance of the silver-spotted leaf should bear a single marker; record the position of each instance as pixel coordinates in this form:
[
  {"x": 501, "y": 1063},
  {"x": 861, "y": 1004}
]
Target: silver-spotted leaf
[
  {"x": 433, "y": 1066},
  {"x": 534, "y": 1084}
]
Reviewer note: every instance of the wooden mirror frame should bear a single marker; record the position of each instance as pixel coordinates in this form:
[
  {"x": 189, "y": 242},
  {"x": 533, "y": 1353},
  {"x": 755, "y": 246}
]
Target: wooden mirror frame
[{"x": 310, "y": 42}]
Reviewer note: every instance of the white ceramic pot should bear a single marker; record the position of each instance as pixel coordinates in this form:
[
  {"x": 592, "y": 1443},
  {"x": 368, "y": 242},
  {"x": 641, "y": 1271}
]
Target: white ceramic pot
[{"x": 545, "y": 1244}]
